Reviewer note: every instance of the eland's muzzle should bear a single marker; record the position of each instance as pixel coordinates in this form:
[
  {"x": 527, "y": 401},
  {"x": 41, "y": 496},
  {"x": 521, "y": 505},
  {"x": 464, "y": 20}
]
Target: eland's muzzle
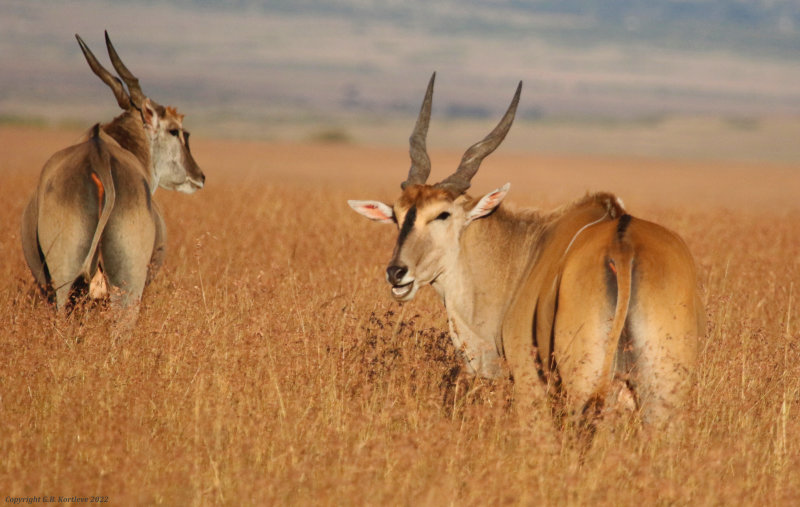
[
  {"x": 402, "y": 286},
  {"x": 395, "y": 274}
]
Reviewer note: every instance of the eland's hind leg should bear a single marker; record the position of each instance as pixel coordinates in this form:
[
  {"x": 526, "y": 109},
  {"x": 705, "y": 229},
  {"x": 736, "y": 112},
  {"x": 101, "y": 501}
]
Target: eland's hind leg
[
  {"x": 127, "y": 247},
  {"x": 586, "y": 304},
  {"x": 128, "y": 239},
  {"x": 664, "y": 339},
  {"x": 665, "y": 322},
  {"x": 65, "y": 237},
  {"x": 160, "y": 246}
]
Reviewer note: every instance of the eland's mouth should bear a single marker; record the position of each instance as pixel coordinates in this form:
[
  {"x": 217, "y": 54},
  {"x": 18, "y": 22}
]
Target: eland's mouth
[
  {"x": 400, "y": 292},
  {"x": 190, "y": 186}
]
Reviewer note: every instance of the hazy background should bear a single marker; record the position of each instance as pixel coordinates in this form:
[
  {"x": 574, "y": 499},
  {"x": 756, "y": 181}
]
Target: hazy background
[{"x": 693, "y": 78}]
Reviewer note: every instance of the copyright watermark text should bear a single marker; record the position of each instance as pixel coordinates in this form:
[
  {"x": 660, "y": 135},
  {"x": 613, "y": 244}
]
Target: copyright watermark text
[{"x": 19, "y": 500}]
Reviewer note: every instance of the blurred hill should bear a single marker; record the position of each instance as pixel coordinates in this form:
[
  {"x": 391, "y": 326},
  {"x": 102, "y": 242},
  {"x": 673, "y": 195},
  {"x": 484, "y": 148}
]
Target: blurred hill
[{"x": 258, "y": 69}]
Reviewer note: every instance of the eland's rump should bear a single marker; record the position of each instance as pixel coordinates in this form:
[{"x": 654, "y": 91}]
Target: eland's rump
[{"x": 625, "y": 308}]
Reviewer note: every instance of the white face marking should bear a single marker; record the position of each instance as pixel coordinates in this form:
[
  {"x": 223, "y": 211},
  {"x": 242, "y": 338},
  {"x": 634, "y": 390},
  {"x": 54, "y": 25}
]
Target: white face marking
[
  {"x": 173, "y": 167},
  {"x": 168, "y": 161}
]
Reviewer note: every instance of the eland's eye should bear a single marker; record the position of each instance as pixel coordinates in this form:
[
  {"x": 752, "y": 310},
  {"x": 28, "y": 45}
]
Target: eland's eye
[
  {"x": 175, "y": 132},
  {"x": 444, "y": 215}
]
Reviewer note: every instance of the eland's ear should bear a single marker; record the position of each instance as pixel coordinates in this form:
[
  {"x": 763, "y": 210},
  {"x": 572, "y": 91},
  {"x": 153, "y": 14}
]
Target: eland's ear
[
  {"x": 149, "y": 115},
  {"x": 374, "y": 210},
  {"x": 488, "y": 203}
]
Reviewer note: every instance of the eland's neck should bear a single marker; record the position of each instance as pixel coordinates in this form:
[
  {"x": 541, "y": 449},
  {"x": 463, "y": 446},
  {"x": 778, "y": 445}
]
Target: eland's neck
[
  {"x": 496, "y": 254},
  {"x": 127, "y": 130},
  {"x": 493, "y": 256}
]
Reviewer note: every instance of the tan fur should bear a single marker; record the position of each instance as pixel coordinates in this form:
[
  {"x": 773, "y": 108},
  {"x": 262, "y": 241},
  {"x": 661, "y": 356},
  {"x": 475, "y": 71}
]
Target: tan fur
[
  {"x": 421, "y": 196},
  {"x": 126, "y": 129},
  {"x": 577, "y": 327},
  {"x": 65, "y": 227},
  {"x": 92, "y": 218},
  {"x": 172, "y": 113},
  {"x": 582, "y": 293},
  {"x": 561, "y": 291}
]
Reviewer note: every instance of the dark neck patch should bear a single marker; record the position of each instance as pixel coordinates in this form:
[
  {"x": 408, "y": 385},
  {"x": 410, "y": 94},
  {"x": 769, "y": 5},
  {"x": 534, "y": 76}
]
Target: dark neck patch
[
  {"x": 622, "y": 226},
  {"x": 408, "y": 224}
]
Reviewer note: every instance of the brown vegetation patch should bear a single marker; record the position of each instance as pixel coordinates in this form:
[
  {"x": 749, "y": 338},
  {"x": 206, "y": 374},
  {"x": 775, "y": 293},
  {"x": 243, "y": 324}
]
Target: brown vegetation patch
[{"x": 270, "y": 365}]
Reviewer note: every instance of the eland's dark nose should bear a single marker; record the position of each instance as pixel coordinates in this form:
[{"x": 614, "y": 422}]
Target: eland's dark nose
[{"x": 396, "y": 273}]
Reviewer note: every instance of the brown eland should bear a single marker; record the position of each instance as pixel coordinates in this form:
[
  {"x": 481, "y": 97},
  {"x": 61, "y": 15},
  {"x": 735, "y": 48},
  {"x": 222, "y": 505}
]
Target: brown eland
[
  {"x": 584, "y": 303},
  {"x": 92, "y": 221}
]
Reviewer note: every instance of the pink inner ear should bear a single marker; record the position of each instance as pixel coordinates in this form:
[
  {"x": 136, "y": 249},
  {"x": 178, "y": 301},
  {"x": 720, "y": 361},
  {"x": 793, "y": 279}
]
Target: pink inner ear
[
  {"x": 487, "y": 204},
  {"x": 149, "y": 114},
  {"x": 492, "y": 201},
  {"x": 374, "y": 212}
]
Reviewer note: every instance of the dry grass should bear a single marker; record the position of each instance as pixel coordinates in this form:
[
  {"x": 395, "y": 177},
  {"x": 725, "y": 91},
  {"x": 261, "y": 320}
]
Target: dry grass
[{"x": 271, "y": 367}]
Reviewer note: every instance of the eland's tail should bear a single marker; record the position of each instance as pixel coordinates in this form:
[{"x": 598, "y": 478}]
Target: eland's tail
[{"x": 100, "y": 162}]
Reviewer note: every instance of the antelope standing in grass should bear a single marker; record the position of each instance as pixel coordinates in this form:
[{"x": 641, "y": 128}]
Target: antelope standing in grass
[
  {"x": 585, "y": 299},
  {"x": 92, "y": 220}
]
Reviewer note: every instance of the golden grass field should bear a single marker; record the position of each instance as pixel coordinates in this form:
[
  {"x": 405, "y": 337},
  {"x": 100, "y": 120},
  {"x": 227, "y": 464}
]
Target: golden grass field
[{"x": 271, "y": 367}]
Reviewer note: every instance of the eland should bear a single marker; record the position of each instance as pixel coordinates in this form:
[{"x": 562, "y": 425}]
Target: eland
[
  {"x": 585, "y": 303},
  {"x": 92, "y": 221}
]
